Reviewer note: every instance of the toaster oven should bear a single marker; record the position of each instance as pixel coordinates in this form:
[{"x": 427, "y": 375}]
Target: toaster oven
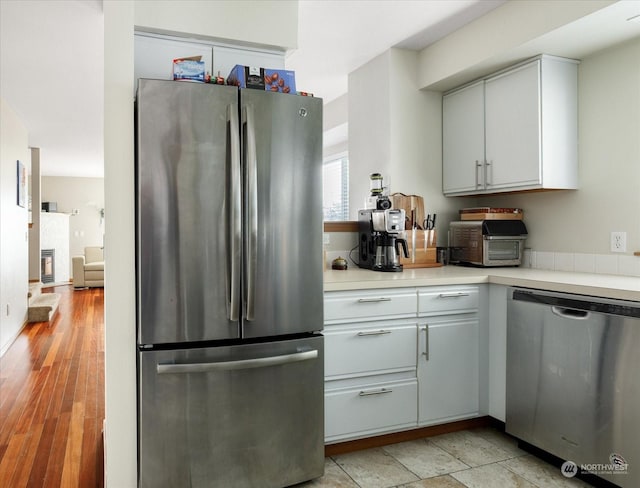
[{"x": 487, "y": 242}]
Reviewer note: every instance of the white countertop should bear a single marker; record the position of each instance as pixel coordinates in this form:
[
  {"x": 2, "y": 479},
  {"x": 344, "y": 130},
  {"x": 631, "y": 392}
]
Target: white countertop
[{"x": 609, "y": 286}]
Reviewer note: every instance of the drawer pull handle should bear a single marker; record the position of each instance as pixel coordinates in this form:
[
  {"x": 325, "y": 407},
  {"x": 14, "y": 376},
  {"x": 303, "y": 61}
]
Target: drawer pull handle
[
  {"x": 374, "y": 300},
  {"x": 373, "y": 333},
  {"x": 453, "y": 295},
  {"x": 381, "y": 391}
]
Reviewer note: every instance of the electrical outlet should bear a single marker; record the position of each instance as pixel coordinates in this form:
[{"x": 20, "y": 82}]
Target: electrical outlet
[{"x": 618, "y": 242}]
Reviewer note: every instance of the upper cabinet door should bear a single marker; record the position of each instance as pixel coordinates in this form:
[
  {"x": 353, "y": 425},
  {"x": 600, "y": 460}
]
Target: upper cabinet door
[
  {"x": 463, "y": 140},
  {"x": 518, "y": 127},
  {"x": 513, "y": 130}
]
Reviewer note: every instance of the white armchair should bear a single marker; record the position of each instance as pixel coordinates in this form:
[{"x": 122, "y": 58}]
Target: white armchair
[{"x": 88, "y": 270}]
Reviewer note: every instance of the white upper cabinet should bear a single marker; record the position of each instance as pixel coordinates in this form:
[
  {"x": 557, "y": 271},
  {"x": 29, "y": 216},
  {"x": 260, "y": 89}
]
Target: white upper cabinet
[
  {"x": 463, "y": 139},
  {"x": 526, "y": 119}
]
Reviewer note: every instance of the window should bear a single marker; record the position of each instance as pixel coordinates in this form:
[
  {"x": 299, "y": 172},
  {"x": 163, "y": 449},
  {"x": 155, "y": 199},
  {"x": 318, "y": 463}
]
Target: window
[{"x": 335, "y": 193}]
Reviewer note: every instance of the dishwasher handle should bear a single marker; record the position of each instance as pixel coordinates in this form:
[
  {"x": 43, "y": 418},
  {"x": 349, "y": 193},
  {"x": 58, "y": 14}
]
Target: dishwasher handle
[{"x": 570, "y": 313}]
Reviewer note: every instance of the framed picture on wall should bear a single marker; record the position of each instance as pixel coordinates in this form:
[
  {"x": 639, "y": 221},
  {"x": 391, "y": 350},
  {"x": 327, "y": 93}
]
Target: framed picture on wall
[{"x": 22, "y": 184}]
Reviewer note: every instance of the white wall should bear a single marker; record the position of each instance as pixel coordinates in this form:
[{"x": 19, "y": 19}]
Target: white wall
[
  {"x": 14, "y": 246},
  {"x": 269, "y": 23},
  {"x": 369, "y": 130},
  {"x": 608, "y": 197},
  {"x": 396, "y": 129},
  {"x": 492, "y": 39},
  {"x": 34, "y": 230},
  {"x": 54, "y": 234},
  {"x": 260, "y": 23},
  {"x": 85, "y": 195},
  {"x": 120, "y": 339}
]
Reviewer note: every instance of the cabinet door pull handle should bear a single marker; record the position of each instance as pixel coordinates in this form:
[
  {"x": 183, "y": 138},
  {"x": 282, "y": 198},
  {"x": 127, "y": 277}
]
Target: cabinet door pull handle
[
  {"x": 453, "y": 295},
  {"x": 381, "y": 391},
  {"x": 374, "y": 300},
  {"x": 488, "y": 181},
  {"x": 373, "y": 333},
  {"x": 425, "y": 329},
  {"x": 478, "y": 165}
]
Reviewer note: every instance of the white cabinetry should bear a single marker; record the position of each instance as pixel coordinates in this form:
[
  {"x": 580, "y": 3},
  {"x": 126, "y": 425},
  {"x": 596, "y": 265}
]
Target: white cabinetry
[
  {"x": 526, "y": 117},
  {"x": 463, "y": 139},
  {"x": 448, "y": 354},
  {"x": 370, "y": 363},
  {"x": 398, "y": 359}
]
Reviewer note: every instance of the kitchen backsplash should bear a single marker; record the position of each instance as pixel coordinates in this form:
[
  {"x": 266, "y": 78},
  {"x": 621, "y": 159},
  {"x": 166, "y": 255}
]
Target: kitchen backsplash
[
  {"x": 341, "y": 243},
  {"x": 626, "y": 265}
]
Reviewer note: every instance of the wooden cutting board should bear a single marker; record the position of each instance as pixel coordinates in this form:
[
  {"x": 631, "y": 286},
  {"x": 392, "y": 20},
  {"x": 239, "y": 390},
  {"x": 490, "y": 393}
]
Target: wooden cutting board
[{"x": 409, "y": 203}]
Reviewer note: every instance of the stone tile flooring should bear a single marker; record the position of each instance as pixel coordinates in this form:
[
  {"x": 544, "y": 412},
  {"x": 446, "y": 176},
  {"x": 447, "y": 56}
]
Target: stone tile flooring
[{"x": 477, "y": 458}]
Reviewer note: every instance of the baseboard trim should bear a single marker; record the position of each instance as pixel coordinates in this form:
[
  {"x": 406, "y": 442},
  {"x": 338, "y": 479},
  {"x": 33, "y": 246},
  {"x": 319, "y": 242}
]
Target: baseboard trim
[
  {"x": 9, "y": 343},
  {"x": 410, "y": 435}
]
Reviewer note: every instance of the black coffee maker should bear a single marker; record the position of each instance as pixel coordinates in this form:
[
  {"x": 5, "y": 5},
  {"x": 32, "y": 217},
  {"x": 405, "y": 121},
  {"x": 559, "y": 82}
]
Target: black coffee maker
[{"x": 378, "y": 241}]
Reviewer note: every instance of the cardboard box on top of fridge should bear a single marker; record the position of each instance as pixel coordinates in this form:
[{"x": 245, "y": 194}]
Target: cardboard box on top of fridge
[
  {"x": 275, "y": 80},
  {"x": 188, "y": 69}
]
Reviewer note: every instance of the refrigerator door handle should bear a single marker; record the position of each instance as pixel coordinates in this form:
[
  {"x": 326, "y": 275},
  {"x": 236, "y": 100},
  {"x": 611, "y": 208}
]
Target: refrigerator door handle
[
  {"x": 235, "y": 217},
  {"x": 251, "y": 188},
  {"x": 236, "y": 365}
]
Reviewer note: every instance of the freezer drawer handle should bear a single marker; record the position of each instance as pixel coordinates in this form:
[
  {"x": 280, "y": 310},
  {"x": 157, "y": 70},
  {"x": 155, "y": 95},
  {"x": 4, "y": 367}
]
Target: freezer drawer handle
[
  {"x": 236, "y": 365},
  {"x": 374, "y": 300},
  {"x": 381, "y": 391},
  {"x": 373, "y": 333}
]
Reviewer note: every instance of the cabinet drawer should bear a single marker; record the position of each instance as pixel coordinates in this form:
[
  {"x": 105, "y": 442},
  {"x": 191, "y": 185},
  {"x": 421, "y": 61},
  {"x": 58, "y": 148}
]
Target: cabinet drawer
[
  {"x": 369, "y": 347},
  {"x": 372, "y": 408},
  {"x": 367, "y": 305},
  {"x": 443, "y": 300}
]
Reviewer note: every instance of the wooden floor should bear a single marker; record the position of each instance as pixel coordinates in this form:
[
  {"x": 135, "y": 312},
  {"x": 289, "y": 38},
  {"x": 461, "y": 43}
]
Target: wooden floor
[{"x": 52, "y": 397}]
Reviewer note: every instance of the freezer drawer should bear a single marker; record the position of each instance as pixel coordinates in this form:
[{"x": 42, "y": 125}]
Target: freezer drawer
[{"x": 241, "y": 416}]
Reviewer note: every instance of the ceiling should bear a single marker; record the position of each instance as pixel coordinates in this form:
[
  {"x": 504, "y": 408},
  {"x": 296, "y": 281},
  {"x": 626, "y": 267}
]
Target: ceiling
[{"x": 51, "y": 60}]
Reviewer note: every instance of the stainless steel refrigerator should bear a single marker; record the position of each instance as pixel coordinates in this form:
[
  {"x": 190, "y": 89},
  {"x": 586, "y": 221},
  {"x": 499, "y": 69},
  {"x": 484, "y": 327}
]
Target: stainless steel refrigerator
[{"x": 229, "y": 286}]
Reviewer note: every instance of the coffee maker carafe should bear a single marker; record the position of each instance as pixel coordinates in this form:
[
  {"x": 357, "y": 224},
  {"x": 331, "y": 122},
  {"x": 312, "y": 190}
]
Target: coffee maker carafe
[{"x": 379, "y": 241}]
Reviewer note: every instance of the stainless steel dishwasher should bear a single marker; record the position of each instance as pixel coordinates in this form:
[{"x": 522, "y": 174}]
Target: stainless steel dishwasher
[{"x": 573, "y": 380}]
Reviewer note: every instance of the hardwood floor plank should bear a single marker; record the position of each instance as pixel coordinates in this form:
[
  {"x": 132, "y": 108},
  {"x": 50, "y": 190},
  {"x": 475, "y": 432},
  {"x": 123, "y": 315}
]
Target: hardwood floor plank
[
  {"x": 23, "y": 469},
  {"x": 52, "y": 398},
  {"x": 28, "y": 414},
  {"x": 55, "y": 463},
  {"x": 39, "y": 469},
  {"x": 73, "y": 453},
  {"x": 53, "y": 350},
  {"x": 11, "y": 459},
  {"x": 89, "y": 469}
]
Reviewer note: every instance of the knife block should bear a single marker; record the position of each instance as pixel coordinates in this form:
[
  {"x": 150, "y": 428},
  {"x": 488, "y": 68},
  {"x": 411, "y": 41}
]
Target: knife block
[{"x": 425, "y": 250}]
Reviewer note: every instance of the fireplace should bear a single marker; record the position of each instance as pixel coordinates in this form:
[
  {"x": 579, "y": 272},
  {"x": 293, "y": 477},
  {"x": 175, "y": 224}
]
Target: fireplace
[{"x": 48, "y": 265}]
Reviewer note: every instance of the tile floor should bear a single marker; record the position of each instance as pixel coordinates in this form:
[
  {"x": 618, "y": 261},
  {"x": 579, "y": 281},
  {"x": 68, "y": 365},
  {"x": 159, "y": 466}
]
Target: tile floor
[{"x": 477, "y": 458}]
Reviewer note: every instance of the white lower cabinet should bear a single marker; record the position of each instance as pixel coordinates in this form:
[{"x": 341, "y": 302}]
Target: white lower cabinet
[
  {"x": 370, "y": 378},
  {"x": 448, "y": 369},
  {"x": 374, "y": 406},
  {"x": 399, "y": 359},
  {"x": 448, "y": 354}
]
